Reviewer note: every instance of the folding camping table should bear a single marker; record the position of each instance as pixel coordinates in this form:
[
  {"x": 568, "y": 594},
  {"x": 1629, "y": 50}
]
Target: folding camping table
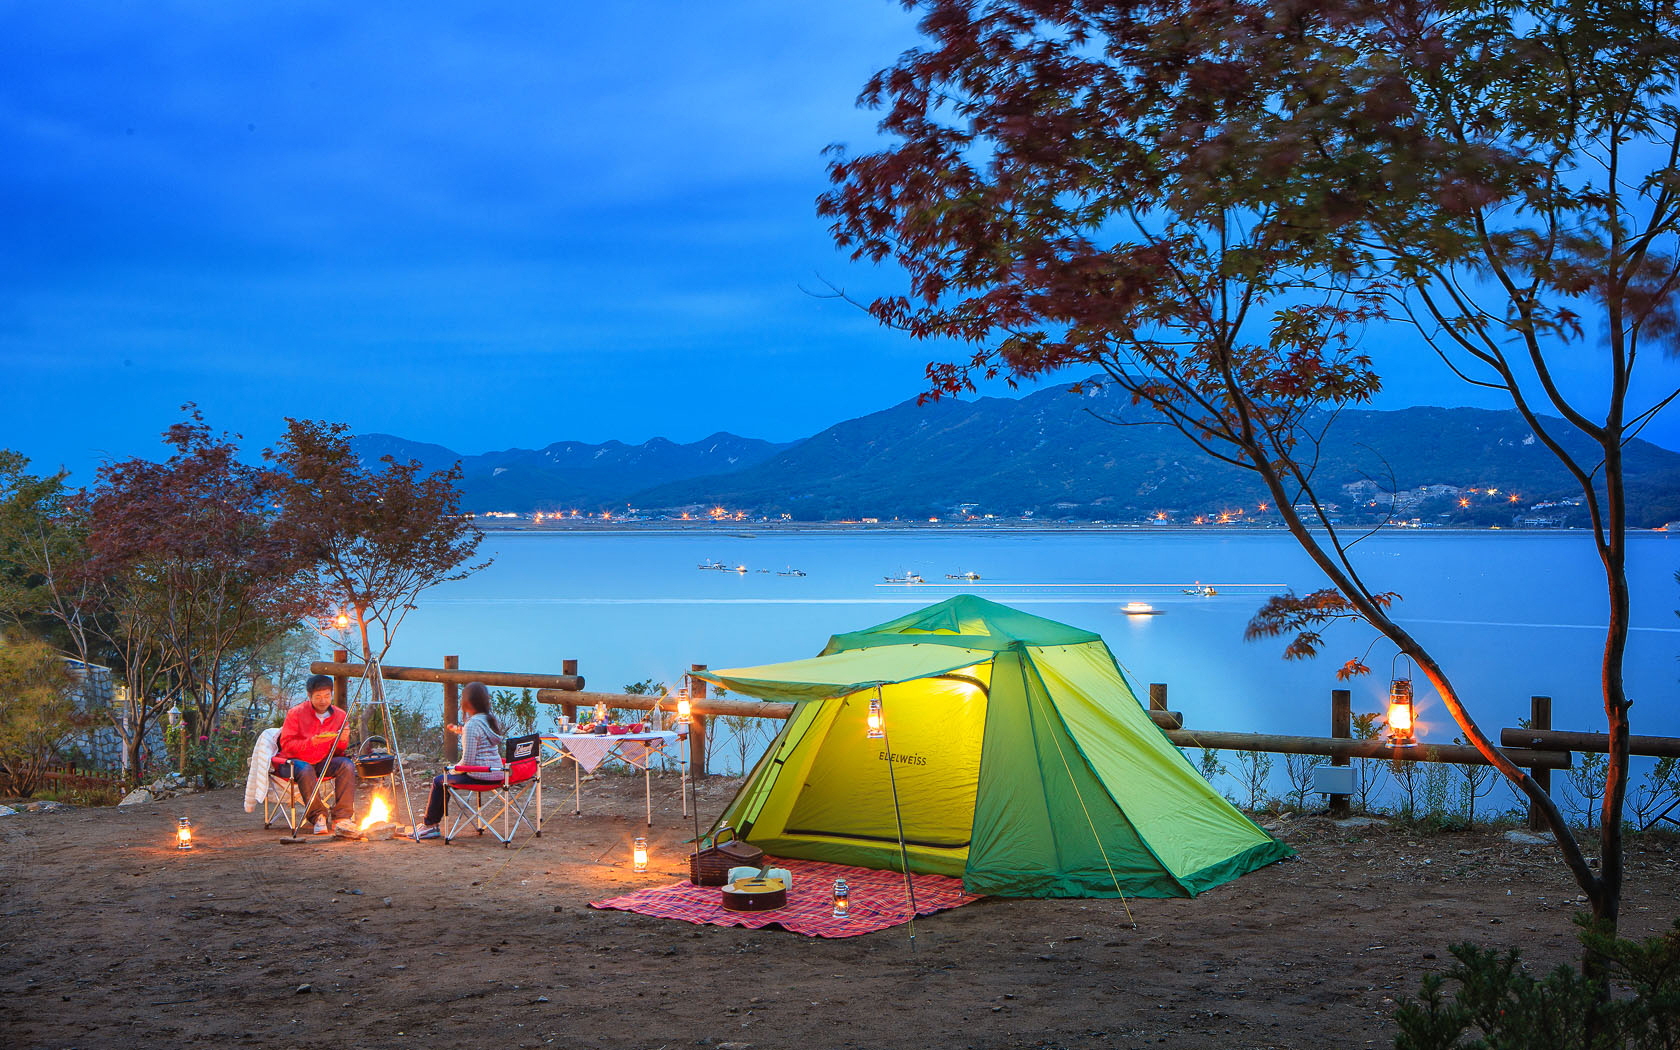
[{"x": 588, "y": 750}]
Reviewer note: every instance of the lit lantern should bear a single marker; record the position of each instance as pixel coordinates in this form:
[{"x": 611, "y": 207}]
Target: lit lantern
[
  {"x": 638, "y": 853},
  {"x": 342, "y": 621},
  {"x": 877, "y": 725},
  {"x": 685, "y": 711},
  {"x": 1401, "y": 729},
  {"x": 183, "y": 834},
  {"x": 600, "y": 712},
  {"x": 842, "y": 899}
]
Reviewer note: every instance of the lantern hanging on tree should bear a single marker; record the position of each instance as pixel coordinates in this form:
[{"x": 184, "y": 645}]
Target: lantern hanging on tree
[{"x": 1401, "y": 727}]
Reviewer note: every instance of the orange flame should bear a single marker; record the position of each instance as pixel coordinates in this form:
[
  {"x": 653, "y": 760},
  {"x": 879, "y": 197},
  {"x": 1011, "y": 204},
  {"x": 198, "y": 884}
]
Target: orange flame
[{"x": 378, "y": 813}]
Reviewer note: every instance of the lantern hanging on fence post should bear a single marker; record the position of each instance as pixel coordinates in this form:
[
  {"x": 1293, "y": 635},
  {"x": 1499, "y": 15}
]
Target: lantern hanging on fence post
[
  {"x": 183, "y": 834},
  {"x": 639, "y": 854},
  {"x": 685, "y": 710},
  {"x": 877, "y": 727},
  {"x": 1401, "y": 726}
]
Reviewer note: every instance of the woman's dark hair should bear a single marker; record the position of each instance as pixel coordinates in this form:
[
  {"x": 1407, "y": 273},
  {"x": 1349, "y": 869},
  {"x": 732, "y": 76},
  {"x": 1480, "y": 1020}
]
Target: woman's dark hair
[{"x": 475, "y": 698}]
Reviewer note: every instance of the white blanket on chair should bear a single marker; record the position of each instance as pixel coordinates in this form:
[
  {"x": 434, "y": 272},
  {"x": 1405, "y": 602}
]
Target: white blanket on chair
[{"x": 262, "y": 757}]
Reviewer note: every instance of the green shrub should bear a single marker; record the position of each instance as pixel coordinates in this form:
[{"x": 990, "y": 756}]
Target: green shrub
[{"x": 1498, "y": 1004}]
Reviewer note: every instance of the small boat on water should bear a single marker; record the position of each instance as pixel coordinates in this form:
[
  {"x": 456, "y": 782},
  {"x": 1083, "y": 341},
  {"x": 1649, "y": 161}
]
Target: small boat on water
[
  {"x": 1140, "y": 609},
  {"x": 710, "y": 564},
  {"x": 1201, "y": 590},
  {"x": 790, "y": 571},
  {"x": 906, "y": 577},
  {"x": 742, "y": 569},
  {"x": 969, "y": 575}
]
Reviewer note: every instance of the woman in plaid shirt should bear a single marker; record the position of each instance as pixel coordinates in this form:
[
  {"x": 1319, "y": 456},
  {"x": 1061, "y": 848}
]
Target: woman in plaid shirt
[{"x": 481, "y": 746}]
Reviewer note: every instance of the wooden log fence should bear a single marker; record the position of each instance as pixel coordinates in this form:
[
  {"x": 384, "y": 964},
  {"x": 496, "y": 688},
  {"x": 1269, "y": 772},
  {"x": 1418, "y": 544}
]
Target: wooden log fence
[{"x": 1538, "y": 747}]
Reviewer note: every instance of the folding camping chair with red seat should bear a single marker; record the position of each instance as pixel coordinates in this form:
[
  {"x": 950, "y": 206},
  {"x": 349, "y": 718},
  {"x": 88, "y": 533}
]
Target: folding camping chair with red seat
[
  {"x": 285, "y": 800},
  {"x": 508, "y": 800}
]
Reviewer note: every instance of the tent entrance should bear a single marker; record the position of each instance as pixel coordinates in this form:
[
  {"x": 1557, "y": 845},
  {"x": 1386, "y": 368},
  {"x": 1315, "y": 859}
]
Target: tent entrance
[{"x": 935, "y": 727}]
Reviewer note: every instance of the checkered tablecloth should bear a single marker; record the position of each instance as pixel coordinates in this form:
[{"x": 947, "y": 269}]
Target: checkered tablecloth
[{"x": 878, "y": 901}]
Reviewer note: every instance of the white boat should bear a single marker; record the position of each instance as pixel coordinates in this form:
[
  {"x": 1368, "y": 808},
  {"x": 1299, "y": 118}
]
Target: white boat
[
  {"x": 710, "y": 564},
  {"x": 1201, "y": 590},
  {"x": 1140, "y": 609},
  {"x": 908, "y": 577},
  {"x": 790, "y": 571},
  {"x": 969, "y": 575}
]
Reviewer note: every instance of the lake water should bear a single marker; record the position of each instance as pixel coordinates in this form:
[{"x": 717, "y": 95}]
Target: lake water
[{"x": 1509, "y": 614}]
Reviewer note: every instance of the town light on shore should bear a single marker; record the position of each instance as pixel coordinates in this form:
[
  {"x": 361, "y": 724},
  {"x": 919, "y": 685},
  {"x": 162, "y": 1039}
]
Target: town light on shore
[
  {"x": 877, "y": 726},
  {"x": 183, "y": 834},
  {"x": 639, "y": 854}
]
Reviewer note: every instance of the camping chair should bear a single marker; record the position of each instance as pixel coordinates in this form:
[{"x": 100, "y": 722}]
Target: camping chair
[
  {"x": 520, "y": 786},
  {"x": 283, "y": 799}
]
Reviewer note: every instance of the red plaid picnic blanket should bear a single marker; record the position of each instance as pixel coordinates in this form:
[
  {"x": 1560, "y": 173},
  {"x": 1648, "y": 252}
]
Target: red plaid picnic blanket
[{"x": 877, "y": 897}]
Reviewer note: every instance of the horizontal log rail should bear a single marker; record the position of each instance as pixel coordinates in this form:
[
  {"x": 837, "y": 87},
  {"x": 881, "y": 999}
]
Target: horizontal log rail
[
  {"x": 453, "y": 676},
  {"x": 1557, "y": 739},
  {"x": 1336, "y": 747},
  {"x": 647, "y": 702}
]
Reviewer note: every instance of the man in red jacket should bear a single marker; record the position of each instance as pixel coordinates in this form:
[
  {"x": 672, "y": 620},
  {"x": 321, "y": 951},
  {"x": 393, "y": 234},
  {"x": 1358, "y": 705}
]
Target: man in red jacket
[{"x": 313, "y": 739}]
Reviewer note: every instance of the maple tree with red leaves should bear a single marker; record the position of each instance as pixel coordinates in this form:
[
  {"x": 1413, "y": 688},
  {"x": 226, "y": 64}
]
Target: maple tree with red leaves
[
  {"x": 375, "y": 537},
  {"x": 187, "y": 556},
  {"x": 1209, "y": 202}
]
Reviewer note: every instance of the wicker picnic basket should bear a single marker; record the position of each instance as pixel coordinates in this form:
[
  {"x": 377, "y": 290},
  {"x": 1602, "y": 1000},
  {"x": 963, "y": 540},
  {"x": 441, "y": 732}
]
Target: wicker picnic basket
[{"x": 709, "y": 865}]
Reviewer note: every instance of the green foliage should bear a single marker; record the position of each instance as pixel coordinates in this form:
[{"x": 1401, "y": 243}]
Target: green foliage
[
  {"x": 1253, "y": 770},
  {"x": 1366, "y": 726},
  {"x": 1496, "y": 1003},
  {"x": 1656, "y": 793},
  {"x": 1586, "y": 781},
  {"x": 35, "y": 710},
  {"x": 222, "y": 757},
  {"x": 1299, "y": 769},
  {"x": 517, "y": 708}
]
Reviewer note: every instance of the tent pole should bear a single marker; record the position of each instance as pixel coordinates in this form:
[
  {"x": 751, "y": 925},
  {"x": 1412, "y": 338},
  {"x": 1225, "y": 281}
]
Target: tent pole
[{"x": 898, "y": 818}]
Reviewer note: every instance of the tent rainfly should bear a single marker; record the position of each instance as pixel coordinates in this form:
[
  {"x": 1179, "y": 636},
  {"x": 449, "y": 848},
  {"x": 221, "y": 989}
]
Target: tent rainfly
[{"x": 1024, "y": 763}]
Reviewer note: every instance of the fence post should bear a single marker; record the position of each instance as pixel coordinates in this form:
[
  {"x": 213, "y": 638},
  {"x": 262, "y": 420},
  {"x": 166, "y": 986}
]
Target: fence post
[
  {"x": 1341, "y": 727},
  {"x": 451, "y": 712},
  {"x": 1157, "y": 696},
  {"x": 1540, "y": 717},
  {"x": 341, "y": 683},
  {"x": 697, "y": 726},
  {"x": 569, "y": 710}
]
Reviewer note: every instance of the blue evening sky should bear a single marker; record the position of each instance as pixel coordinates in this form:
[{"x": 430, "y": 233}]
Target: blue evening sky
[{"x": 483, "y": 225}]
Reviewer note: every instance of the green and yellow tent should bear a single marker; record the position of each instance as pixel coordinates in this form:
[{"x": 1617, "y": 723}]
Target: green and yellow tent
[{"x": 1024, "y": 763}]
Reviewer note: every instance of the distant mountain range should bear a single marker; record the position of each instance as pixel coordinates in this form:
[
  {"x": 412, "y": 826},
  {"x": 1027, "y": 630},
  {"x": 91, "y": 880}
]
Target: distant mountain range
[{"x": 1052, "y": 454}]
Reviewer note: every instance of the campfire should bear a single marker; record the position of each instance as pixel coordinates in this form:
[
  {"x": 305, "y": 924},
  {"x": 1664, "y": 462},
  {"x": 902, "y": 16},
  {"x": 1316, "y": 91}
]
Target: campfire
[{"x": 377, "y": 824}]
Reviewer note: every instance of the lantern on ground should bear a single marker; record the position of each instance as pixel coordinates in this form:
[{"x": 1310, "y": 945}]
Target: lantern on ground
[
  {"x": 183, "y": 834},
  {"x": 639, "y": 854},
  {"x": 1401, "y": 727},
  {"x": 842, "y": 899},
  {"x": 877, "y": 725}
]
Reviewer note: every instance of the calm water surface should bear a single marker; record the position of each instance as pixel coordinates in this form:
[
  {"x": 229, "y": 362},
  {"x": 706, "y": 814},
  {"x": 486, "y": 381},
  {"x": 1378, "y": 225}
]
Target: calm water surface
[{"x": 1509, "y": 614}]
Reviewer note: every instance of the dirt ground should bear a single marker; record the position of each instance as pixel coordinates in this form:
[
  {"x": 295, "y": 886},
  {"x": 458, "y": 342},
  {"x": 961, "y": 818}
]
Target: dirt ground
[{"x": 112, "y": 938}]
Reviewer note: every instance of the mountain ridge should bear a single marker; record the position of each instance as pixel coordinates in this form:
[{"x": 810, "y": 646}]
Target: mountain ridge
[{"x": 1053, "y": 454}]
